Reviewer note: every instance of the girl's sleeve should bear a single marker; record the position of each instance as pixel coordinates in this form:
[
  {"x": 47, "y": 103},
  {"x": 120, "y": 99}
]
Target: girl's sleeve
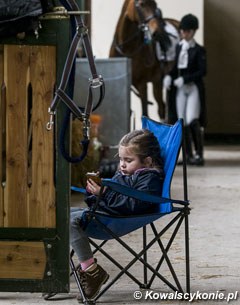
[{"x": 116, "y": 203}]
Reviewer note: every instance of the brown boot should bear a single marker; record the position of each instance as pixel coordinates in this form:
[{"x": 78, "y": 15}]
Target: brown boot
[{"x": 92, "y": 279}]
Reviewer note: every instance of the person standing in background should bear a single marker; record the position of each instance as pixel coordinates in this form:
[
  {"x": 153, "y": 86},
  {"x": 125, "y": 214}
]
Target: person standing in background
[{"x": 186, "y": 78}]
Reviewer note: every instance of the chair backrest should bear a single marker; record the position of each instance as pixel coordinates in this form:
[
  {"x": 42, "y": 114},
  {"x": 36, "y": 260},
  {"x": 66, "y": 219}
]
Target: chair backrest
[{"x": 170, "y": 140}]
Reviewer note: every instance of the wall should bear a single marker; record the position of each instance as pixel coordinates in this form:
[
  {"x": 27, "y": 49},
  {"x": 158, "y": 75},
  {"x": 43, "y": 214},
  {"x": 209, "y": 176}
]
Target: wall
[{"x": 222, "y": 40}]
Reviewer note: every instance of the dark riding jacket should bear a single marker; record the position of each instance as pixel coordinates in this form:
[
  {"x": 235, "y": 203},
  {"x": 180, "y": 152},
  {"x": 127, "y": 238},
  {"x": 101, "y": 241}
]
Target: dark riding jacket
[
  {"x": 195, "y": 71},
  {"x": 148, "y": 180}
]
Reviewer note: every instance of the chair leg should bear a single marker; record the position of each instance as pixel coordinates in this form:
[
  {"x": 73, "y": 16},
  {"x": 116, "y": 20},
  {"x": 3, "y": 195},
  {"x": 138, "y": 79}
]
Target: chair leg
[
  {"x": 187, "y": 255},
  {"x": 138, "y": 256},
  {"x": 98, "y": 247},
  {"x": 145, "y": 275},
  {"x": 165, "y": 250}
]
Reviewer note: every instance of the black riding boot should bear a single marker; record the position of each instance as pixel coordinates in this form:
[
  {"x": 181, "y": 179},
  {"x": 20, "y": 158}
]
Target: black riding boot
[
  {"x": 198, "y": 143},
  {"x": 188, "y": 143}
]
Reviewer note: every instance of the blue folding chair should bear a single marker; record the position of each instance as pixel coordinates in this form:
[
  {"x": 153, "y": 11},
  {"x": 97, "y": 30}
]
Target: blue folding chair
[{"x": 104, "y": 227}]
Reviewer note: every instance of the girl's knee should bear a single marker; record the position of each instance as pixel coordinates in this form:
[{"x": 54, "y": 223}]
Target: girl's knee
[{"x": 74, "y": 221}]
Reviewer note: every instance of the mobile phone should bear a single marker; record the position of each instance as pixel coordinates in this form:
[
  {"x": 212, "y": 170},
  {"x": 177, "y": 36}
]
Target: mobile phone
[{"x": 94, "y": 176}]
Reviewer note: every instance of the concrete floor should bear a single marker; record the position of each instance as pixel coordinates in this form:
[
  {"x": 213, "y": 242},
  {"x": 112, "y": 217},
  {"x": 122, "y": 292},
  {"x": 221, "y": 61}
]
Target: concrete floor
[{"x": 214, "y": 221}]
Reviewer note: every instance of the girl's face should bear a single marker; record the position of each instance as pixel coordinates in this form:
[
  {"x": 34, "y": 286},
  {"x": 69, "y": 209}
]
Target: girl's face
[
  {"x": 187, "y": 34},
  {"x": 130, "y": 162}
]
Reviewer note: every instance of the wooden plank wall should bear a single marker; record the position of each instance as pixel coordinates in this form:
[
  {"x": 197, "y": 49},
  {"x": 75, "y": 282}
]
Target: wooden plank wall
[
  {"x": 22, "y": 260},
  {"x": 27, "y": 196}
]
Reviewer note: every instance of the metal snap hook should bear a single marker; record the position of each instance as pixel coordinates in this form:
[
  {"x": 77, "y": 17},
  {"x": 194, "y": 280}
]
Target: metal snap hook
[{"x": 51, "y": 121}]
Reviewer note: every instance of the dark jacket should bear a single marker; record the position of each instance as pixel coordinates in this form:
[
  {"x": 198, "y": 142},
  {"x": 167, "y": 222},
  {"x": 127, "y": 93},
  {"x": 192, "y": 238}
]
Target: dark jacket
[
  {"x": 148, "y": 180},
  {"x": 195, "y": 71}
]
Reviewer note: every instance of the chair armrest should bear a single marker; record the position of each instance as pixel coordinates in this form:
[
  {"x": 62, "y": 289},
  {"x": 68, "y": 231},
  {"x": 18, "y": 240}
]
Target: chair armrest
[
  {"x": 140, "y": 195},
  {"x": 79, "y": 189}
]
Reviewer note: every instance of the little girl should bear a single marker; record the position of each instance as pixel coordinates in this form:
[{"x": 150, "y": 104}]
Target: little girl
[{"x": 141, "y": 168}]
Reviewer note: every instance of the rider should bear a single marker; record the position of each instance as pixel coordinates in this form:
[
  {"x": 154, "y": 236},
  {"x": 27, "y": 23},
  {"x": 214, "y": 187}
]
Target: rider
[{"x": 186, "y": 78}]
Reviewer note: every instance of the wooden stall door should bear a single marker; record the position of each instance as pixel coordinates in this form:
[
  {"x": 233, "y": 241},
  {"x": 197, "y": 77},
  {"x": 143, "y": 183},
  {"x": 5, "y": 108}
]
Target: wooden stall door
[
  {"x": 29, "y": 241},
  {"x": 29, "y": 78}
]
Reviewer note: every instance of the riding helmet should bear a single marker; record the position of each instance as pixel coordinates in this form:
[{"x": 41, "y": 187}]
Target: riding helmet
[{"x": 189, "y": 22}]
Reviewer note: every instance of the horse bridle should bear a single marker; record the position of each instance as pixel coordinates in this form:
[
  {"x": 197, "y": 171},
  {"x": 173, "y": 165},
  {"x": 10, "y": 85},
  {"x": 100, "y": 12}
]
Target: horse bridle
[
  {"x": 81, "y": 33},
  {"x": 143, "y": 20},
  {"x": 143, "y": 25}
]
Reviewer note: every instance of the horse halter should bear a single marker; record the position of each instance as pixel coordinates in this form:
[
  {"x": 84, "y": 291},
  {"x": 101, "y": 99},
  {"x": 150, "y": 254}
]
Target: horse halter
[
  {"x": 80, "y": 34},
  {"x": 143, "y": 26}
]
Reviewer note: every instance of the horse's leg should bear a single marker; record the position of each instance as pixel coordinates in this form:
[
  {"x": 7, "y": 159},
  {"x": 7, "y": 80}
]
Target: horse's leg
[
  {"x": 142, "y": 90},
  {"x": 158, "y": 95}
]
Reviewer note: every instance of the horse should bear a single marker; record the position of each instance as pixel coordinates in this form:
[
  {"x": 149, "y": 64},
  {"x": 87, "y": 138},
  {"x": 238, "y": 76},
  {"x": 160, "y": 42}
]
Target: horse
[{"x": 149, "y": 40}]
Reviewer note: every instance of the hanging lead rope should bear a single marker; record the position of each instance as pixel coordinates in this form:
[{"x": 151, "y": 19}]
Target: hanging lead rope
[{"x": 81, "y": 33}]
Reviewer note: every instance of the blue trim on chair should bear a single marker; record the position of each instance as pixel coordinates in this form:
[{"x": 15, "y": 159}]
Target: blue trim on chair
[{"x": 79, "y": 189}]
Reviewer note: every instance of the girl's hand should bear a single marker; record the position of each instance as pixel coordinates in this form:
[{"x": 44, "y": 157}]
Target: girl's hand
[{"x": 92, "y": 187}]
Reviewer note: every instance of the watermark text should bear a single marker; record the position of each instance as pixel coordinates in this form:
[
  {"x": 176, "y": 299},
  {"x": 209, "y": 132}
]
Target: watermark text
[{"x": 190, "y": 297}]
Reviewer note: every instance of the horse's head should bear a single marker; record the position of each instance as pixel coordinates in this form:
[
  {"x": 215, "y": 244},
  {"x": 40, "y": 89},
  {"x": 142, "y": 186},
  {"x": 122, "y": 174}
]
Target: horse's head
[{"x": 148, "y": 16}]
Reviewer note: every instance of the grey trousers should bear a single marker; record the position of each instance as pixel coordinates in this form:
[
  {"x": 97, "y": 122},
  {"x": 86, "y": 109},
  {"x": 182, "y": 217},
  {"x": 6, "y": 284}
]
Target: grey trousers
[{"x": 78, "y": 239}]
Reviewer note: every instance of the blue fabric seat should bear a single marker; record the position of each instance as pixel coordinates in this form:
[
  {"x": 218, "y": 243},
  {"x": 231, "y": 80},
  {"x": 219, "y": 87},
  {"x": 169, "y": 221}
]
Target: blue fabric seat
[{"x": 104, "y": 227}]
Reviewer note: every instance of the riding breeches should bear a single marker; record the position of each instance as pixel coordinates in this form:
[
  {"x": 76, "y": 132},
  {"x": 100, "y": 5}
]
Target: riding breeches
[{"x": 188, "y": 103}]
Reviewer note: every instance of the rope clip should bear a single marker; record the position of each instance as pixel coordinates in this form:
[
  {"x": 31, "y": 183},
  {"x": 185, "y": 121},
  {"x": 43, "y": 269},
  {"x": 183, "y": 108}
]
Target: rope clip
[{"x": 49, "y": 124}]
